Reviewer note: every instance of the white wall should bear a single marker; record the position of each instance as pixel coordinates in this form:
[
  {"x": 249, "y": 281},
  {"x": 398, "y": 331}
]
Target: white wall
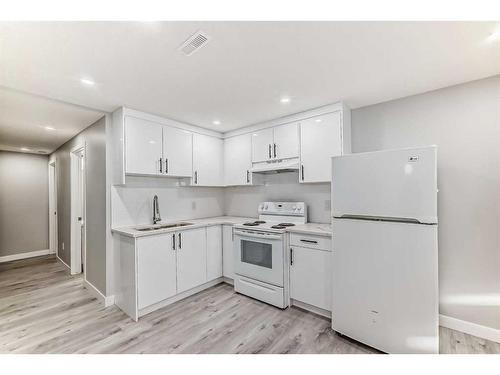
[
  {"x": 243, "y": 200},
  {"x": 133, "y": 204},
  {"x": 24, "y": 203},
  {"x": 464, "y": 121}
]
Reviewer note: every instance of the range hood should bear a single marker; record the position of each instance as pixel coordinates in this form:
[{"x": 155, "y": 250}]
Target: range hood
[{"x": 281, "y": 166}]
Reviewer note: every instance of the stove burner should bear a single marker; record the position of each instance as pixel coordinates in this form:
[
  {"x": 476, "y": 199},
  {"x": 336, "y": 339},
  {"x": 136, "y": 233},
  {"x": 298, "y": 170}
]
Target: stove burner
[
  {"x": 286, "y": 224},
  {"x": 259, "y": 222},
  {"x": 251, "y": 224},
  {"x": 278, "y": 226}
]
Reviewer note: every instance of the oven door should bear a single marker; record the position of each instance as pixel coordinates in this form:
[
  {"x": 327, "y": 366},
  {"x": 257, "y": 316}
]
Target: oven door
[{"x": 259, "y": 256}]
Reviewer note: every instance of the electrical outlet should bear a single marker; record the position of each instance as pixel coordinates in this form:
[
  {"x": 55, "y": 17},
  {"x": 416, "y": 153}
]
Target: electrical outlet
[
  {"x": 63, "y": 245},
  {"x": 328, "y": 205}
]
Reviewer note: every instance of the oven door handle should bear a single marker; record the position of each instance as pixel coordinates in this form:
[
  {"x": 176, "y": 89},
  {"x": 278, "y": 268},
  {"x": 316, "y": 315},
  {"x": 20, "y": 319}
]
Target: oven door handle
[{"x": 256, "y": 235}]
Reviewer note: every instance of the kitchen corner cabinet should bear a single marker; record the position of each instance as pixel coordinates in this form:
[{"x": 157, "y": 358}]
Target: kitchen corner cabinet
[
  {"x": 207, "y": 161},
  {"x": 276, "y": 143},
  {"x": 321, "y": 138},
  {"x": 214, "y": 252},
  {"x": 238, "y": 160}
]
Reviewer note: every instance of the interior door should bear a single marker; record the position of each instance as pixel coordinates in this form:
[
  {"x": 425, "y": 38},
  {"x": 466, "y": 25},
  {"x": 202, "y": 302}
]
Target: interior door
[
  {"x": 191, "y": 258},
  {"x": 321, "y": 138},
  {"x": 385, "y": 284},
  {"x": 143, "y": 146},
  {"x": 177, "y": 152},
  {"x": 286, "y": 141},
  {"x": 156, "y": 269},
  {"x": 238, "y": 160},
  {"x": 401, "y": 184},
  {"x": 311, "y": 276},
  {"x": 262, "y": 145},
  {"x": 207, "y": 160}
]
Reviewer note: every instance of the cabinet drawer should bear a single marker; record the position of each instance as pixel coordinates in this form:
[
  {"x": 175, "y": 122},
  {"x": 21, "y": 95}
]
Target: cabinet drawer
[{"x": 311, "y": 241}]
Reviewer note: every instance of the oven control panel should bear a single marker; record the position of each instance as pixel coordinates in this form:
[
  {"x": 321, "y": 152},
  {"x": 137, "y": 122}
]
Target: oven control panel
[{"x": 282, "y": 208}]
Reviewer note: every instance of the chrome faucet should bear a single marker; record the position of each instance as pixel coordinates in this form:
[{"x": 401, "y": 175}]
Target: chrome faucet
[{"x": 156, "y": 210}]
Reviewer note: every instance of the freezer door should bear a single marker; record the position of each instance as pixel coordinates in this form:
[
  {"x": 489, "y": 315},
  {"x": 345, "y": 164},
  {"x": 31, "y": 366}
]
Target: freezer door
[
  {"x": 399, "y": 184},
  {"x": 385, "y": 284}
]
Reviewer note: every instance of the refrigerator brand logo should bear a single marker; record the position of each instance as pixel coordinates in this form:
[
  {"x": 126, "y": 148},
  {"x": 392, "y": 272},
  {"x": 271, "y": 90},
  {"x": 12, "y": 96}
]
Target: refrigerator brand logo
[{"x": 413, "y": 159}]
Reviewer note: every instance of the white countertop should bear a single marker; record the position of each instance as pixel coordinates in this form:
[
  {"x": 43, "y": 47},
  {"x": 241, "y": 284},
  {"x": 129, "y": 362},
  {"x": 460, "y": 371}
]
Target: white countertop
[{"x": 309, "y": 228}]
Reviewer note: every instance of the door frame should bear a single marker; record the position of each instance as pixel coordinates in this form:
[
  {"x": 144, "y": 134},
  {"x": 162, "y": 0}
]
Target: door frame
[
  {"x": 76, "y": 256},
  {"x": 53, "y": 240}
]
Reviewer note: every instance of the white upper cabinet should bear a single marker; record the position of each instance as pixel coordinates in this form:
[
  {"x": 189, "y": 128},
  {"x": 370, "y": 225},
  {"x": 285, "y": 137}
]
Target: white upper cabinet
[
  {"x": 207, "y": 161},
  {"x": 286, "y": 141},
  {"x": 321, "y": 138},
  {"x": 262, "y": 145},
  {"x": 143, "y": 146},
  {"x": 238, "y": 160},
  {"x": 177, "y": 152}
]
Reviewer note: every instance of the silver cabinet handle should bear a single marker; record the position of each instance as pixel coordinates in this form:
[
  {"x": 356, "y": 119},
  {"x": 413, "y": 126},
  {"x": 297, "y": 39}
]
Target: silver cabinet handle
[
  {"x": 166, "y": 165},
  {"x": 173, "y": 241},
  {"x": 270, "y": 151},
  {"x": 274, "y": 149},
  {"x": 196, "y": 177},
  {"x": 180, "y": 241},
  {"x": 161, "y": 166},
  {"x": 291, "y": 256},
  {"x": 302, "y": 171},
  {"x": 248, "y": 176}
]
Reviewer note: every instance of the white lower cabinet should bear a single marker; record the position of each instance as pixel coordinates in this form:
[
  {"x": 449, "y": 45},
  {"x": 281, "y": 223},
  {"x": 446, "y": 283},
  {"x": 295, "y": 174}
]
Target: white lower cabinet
[
  {"x": 227, "y": 251},
  {"x": 156, "y": 270},
  {"x": 311, "y": 276},
  {"x": 191, "y": 249},
  {"x": 214, "y": 252}
]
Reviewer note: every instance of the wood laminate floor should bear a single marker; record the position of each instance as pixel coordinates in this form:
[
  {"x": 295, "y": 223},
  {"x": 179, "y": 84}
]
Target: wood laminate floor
[{"x": 45, "y": 310}]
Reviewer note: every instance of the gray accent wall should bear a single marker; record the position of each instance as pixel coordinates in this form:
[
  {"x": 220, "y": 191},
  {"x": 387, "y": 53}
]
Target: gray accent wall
[
  {"x": 94, "y": 138},
  {"x": 24, "y": 203},
  {"x": 464, "y": 122}
]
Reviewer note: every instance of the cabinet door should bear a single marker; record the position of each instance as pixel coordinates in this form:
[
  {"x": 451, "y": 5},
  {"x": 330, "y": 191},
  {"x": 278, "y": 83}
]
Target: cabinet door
[
  {"x": 207, "y": 160},
  {"x": 311, "y": 277},
  {"x": 191, "y": 258},
  {"x": 262, "y": 142},
  {"x": 214, "y": 252},
  {"x": 142, "y": 146},
  {"x": 177, "y": 152},
  {"x": 286, "y": 141},
  {"x": 227, "y": 251},
  {"x": 321, "y": 138},
  {"x": 238, "y": 160},
  {"x": 156, "y": 269}
]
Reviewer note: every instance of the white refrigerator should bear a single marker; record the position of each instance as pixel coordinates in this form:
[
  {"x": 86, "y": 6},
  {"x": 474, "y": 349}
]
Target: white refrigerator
[{"x": 385, "y": 249}]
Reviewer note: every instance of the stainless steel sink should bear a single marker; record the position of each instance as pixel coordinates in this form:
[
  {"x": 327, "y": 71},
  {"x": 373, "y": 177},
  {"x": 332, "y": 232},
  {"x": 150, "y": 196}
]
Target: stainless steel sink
[{"x": 164, "y": 226}]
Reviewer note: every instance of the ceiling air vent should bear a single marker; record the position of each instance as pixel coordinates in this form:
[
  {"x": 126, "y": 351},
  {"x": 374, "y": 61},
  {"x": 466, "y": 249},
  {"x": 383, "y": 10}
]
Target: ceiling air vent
[{"x": 194, "y": 43}]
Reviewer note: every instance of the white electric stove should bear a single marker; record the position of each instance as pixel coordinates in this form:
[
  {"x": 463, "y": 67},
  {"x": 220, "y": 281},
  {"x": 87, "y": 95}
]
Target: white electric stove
[{"x": 260, "y": 259}]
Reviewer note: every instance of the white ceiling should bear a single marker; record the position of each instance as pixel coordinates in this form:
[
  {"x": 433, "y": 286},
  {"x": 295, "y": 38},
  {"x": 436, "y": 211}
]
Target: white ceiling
[
  {"x": 23, "y": 119},
  {"x": 244, "y": 70}
]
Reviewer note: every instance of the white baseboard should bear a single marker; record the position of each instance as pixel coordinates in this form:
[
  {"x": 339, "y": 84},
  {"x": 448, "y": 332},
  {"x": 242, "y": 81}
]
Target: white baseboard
[
  {"x": 30, "y": 254},
  {"x": 63, "y": 262},
  {"x": 106, "y": 300},
  {"x": 473, "y": 329}
]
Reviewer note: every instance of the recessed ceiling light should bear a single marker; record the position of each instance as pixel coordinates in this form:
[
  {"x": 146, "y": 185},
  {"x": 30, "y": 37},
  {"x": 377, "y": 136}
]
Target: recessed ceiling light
[
  {"x": 318, "y": 120},
  {"x": 25, "y": 149},
  {"x": 494, "y": 36},
  {"x": 87, "y": 81},
  {"x": 285, "y": 100},
  {"x": 216, "y": 122},
  {"x": 49, "y": 128}
]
